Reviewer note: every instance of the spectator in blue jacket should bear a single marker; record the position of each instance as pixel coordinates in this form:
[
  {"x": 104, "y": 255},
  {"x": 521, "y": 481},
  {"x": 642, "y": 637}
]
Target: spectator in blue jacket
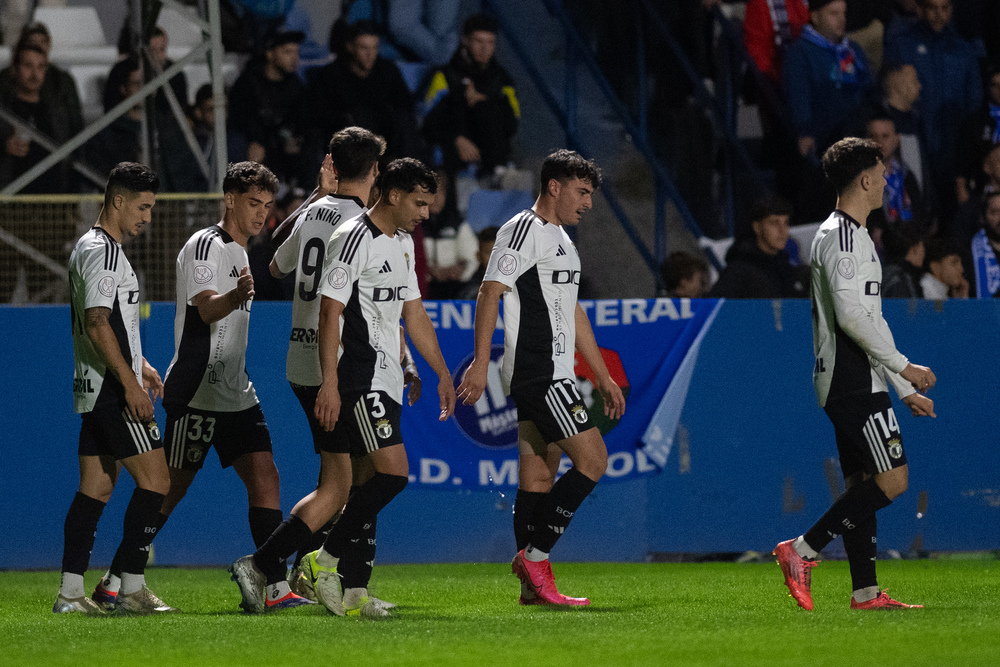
[
  {"x": 951, "y": 86},
  {"x": 826, "y": 79}
]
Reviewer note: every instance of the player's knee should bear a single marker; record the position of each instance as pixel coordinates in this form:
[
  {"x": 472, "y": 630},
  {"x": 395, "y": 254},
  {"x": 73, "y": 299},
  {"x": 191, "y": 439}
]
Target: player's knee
[{"x": 894, "y": 483}]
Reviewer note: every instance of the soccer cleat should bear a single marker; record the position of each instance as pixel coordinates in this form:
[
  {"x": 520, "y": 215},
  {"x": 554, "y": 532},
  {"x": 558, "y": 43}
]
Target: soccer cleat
[
  {"x": 141, "y": 603},
  {"x": 798, "y": 573},
  {"x": 883, "y": 601},
  {"x": 325, "y": 582},
  {"x": 290, "y": 601},
  {"x": 357, "y": 603},
  {"x": 381, "y": 603},
  {"x": 300, "y": 584},
  {"x": 251, "y": 582},
  {"x": 538, "y": 578},
  {"x": 82, "y": 605},
  {"x": 104, "y": 597}
]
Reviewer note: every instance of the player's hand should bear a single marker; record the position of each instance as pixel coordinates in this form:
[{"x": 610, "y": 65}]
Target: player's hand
[
  {"x": 411, "y": 379},
  {"x": 473, "y": 382},
  {"x": 467, "y": 151},
  {"x": 327, "y": 406},
  {"x": 920, "y": 405},
  {"x": 327, "y": 180},
  {"x": 244, "y": 285},
  {"x": 446, "y": 392},
  {"x": 151, "y": 381},
  {"x": 614, "y": 400},
  {"x": 921, "y": 377},
  {"x": 138, "y": 403}
]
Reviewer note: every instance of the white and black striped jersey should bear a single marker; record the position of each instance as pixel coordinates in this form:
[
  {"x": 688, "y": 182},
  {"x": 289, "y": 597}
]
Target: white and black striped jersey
[
  {"x": 855, "y": 351},
  {"x": 303, "y": 252},
  {"x": 101, "y": 277},
  {"x": 540, "y": 265},
  {"x": 372, "y": 275},
  {"x": 208, "y": 371}
]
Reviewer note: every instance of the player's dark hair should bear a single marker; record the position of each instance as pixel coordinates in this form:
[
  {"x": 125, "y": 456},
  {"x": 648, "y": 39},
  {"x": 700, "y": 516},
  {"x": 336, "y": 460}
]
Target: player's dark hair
[
  {"x": 157, "y": 31},
  {"x": 843, "y": 161},
  {"x": 241, "y": 176},
  {"x": 479, "y": 23},
  {"x": 880, "y": 117},
  {"x": 354, "y": 150},
  {"x": 938, "y": 249},
  {"x": 769, "y": 205},
  {"x": 117, "y": 78},
  {"x": 487, "y": 234},
  {"x": 681, "y": 266},
  {"x": 407, "y": 174},
  {"x": 204, "y": 93},
  {"x": 362, "y": 27},
  {"x": 20, "y": 50},
  {"x": 563, "y": 165},
  {"x": 129, "y": 179},
  {"x": 29, "y": 31}
]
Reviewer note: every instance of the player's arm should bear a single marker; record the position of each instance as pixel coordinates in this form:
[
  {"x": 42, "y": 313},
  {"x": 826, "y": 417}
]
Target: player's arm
[
  {"x": 614, "y": 401},
  {"x": 411, "y": 376},
  {"x": 328, "y": 399},
  {"x": 151, "y": 379},
  {"x": 487, "y": 311},
  {"x": 213, "y": 306},
  {"x": 98, "y": 327},
  {"x": 285, "y": 257},
  {"x": 421, "y": 331}
]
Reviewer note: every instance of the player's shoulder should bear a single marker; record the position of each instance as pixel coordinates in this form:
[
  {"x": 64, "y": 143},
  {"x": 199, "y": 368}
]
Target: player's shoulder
[
  {"x": 520, "y": 227},
  {"x": 353, "y": 234},
  {"x": 839, "y": 233},
  {"x": 97, "y": 246}
]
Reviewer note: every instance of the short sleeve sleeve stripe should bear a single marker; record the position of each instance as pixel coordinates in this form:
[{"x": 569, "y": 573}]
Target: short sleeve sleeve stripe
[{"x": 350, "y": 247}]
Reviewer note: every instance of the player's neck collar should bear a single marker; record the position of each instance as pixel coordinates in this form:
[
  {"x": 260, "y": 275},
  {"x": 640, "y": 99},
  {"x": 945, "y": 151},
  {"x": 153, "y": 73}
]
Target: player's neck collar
[
  {"x": 371, "y": 225},
  {"x": 106, "y": 233},
  {"x": 847, "y": 217},
  {"x": 356, "y": 200}
]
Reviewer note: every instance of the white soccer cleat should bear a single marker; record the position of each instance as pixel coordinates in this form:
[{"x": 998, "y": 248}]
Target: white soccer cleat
[
  {"x": 143, "y": 602},
  {"x": 83, "y": 605},
  {"x": 358, "y": 603},
  {"x": 252, "y": 584}
]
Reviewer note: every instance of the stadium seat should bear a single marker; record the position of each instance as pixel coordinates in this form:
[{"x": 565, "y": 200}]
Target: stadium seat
[
  {"x": 72, "y": 26},
  {"x": 90, "y": 79},
  {"x": 494, "y": 207}
]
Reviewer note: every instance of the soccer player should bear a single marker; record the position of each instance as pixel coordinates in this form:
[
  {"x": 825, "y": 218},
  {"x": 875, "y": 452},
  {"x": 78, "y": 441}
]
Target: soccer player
[
  {"x": 537, "y": 263},
  {"x": 856, "y": 360},
  {"x": 110, "y": 391},
  {"x": 369, "y": 282}
]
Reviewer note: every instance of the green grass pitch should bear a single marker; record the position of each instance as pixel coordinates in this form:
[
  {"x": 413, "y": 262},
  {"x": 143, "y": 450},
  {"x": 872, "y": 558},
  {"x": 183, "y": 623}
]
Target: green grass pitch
[{"x": 642, "y": 614}]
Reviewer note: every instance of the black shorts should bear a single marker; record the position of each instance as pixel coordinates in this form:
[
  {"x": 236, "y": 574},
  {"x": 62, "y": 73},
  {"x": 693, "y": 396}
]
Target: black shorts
[
  {"x": 191, "y": 433},
  {"x": 367, "y": 422},
  {"x": 112, "y": 431},
  {"x": 868, "y": 437},
  {"x": 555, "y": 408},
  {"x": 322, "y": 440}
]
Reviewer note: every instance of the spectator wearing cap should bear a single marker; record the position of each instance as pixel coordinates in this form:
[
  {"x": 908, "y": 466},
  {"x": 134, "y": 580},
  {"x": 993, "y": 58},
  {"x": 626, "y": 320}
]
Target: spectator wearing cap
[
  {"x": 363, "y": 89},
  {"x": 951, "y": 87},
  {"x": 760, "y": 267},
  {"x": 264, "y": 104},
  {"x": 473, "y": 110}
]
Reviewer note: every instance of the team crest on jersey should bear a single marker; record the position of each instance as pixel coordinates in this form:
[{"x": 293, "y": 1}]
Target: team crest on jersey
[
  {"x": 338, "y": 278},
  {"x": 845, "y": 267},
  {"x": 895, "y": 448},
  {"x": 154, "y": 430},
  {"x": 507, "y": 264},
  {"x": 194, "y": 452},
  {"x": 202, "y": 274},
  {"x": 107, "y": 286},
  {"x": 406, "y": 256},
  {"x": 579, "y": 414},
  {"x": 383, "y": 429}
]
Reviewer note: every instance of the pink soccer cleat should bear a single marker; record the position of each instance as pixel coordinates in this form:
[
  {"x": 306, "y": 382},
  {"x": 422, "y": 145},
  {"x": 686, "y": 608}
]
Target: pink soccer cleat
[
  {"x": 883, "y": 601},
  {"x": 539, "y": 581},
  {"x": 797, "y": 571}
]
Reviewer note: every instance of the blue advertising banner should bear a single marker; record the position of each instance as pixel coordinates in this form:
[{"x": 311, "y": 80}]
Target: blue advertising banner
[{"x": 644, "y": 343}]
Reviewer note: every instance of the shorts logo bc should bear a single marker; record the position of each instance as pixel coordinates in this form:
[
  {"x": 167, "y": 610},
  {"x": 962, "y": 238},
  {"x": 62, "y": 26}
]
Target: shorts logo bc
[
  {"x": 507, "y": 264},
  {"x": 202, "y": 274},
  {"x": 107, "y": 286},
  {"x": 845, "y": 267},
  {"x": 338, "y": 278}
]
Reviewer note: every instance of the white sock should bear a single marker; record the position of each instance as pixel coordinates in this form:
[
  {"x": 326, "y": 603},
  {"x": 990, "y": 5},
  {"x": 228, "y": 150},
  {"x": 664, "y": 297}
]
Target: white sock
[
  {"x": 132, "y": 583},
  {"x": 802, "y": 547},
  {"x": 866, "y": 594},
  {"x": 71, "y": 586},
  {"x": 278, "y": 590},
  {"x": 326, "y": 560},
  {"x": 111, "y": 583},
  {"x": 534, "y": 555}
]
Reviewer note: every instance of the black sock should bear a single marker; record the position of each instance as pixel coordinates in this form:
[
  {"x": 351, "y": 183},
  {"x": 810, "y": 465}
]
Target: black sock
[
  {"x": 847, "y": 512},
  {"x": 525, "y": 503},
  {"x": 861, "y": 546},
  {"x": 141, "y": 524},
  {"x": 359, "y": 557},
  {"x": 79, "y": 531},
  {"x": 286, "y": 538},
  {"x": 362, "y": 508},
  {"x": 556, "y": 510},
  {"x": 116, "y": 562},
  {"x": 263, "y": 522}
]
